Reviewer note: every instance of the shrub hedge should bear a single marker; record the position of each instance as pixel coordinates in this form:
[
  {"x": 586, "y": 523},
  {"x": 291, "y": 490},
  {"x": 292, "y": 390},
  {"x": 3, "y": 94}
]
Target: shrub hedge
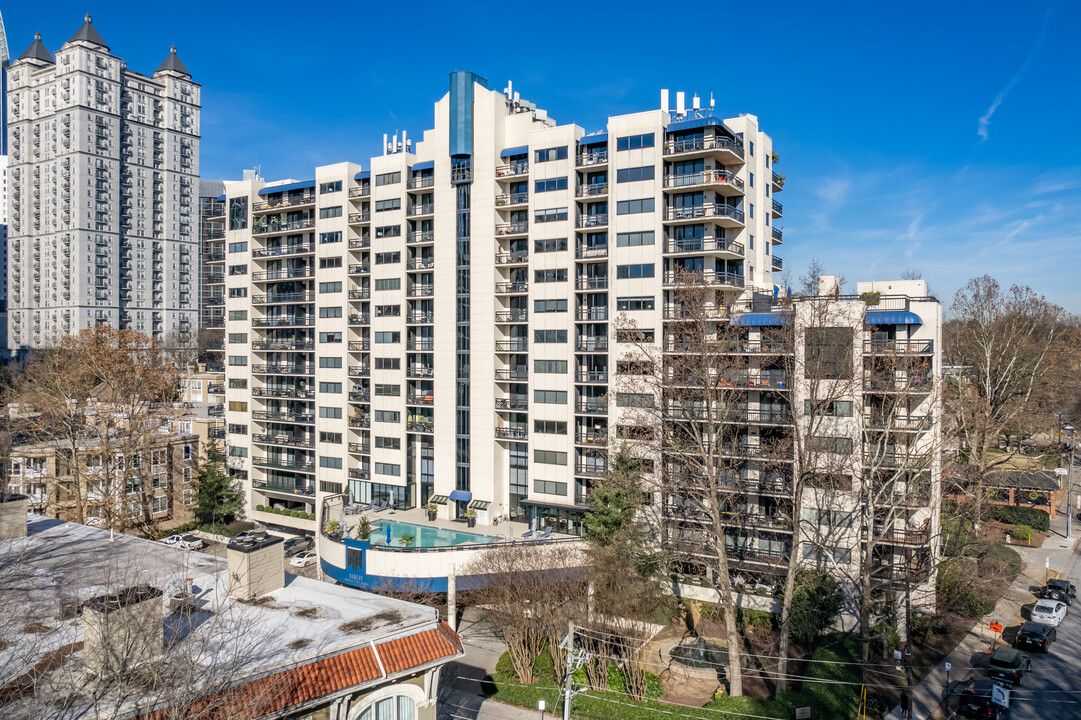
[{"x": 1033, "y": 517}]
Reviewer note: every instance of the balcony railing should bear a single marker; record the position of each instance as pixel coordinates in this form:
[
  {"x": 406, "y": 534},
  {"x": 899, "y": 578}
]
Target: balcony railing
[
  {"x": 283, "y": 392},
  {"x": 360, "y": 421},
  {"x": 591, "y": 252},
  {"x": 703, "y": 245},
  {"x": 710, "y": 278},
  {"x": 283, "y": 369},
  {"x": 299, "y": 249},
  {"x": 359, "y": 192},
  {"x": 360, "y": 345},
  {"x": 421, "y": 181},
  {"x": 361, "y": 448},
  {"x": 419, "y": 317},
  {"x": 512, "y": 169},
  {"x": 593, "y": 469},
  {"x": 592, "y": 189},
  {"x": 359, "y": 318},
  {"x": 517, "y": 198},
  {"x": 519, "y": 403},
  {"x": 514, "y": 345},
  {"x": 420, "y": 371},
  {"x": 512, "y": 288},
  {"x": 359, "y": 217},
  {"x": 420, "y": 399},
  {"x": 591, "y": 407},
  {"x": 591, "y": 221},
  {"x": 778, "y": 263},
  {"x": 359, "y": 370},
  {"x": 897, "y": 347},
  {"x": 515, "y": 315},
  {"x": 512, "y": 228},
  {"x": 282, "y": 345},
  {"x": 512, "y": 258},
  {"x": 283, "y": 416},
  {"x": 420, "y": 236},
  {"x": 421, "y": 263},
  {"x": 284, "y": 487},
  {"x": 359, "y": 269},
  {"x": 591, "y": 314},
  {"x": 420, "y": 209},
  {"x": 777, "y": 235},
  {"x": 283, "y": 439},
  {"x": 512, "y": 374},
  {"x": 778, "y": 208},
  {"x": 590, "y": 343},
  {"x": 697, "y": 144},
  {"x": 359, "y": 396},
  {"x": 421, "y": 426},
  {"x": 289, "y": 226},
  {"x": 420, "y": 290},
  {"x": 283, "y": 298},
  {"x": 421, "y": 344},
  {"x": 284, "y": 321},
  {"x": 598, "y": 157},
  {"x": 706, "y": 210},
  {"x": 591, "y": 376},
  {"x": 592, "y": 283},
  {"x": 284, "y": 203},
  {"x": 702, "y": 177},
  {"x": 511, "y": 433},
  {"x": 286, "y": 274},
  {"x": 360, "y": 243}
]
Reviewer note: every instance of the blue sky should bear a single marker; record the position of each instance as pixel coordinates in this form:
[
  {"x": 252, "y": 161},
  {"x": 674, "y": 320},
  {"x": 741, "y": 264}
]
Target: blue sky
[{"x": 937, "y": 136}]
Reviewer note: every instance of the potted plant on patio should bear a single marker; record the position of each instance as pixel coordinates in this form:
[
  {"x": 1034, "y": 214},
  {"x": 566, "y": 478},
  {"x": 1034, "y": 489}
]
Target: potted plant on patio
[
  {"x": 471, "y": 517},
  {"x": 431, "y": 509},
  {"x": 364, "y": 528},
  {"x": 333, "y": 528}
]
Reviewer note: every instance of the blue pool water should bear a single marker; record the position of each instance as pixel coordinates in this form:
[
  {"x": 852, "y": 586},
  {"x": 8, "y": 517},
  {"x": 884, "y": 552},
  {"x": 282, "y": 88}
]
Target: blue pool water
[{"x": 426, "y": 536}]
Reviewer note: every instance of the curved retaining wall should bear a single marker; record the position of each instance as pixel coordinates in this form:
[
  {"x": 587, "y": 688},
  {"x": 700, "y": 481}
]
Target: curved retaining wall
[{"x": 357, "y": 564}]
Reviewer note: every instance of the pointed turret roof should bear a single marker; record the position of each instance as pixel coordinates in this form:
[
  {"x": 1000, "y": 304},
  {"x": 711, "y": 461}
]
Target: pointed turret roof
[
  {"x": 172, "y": 64},
  {"x": 38, "y": 51},
  {"x": 87, "y": 33}
]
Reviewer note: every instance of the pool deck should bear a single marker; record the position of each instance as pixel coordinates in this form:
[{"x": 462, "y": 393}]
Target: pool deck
[{"x": 418, "y": 516}]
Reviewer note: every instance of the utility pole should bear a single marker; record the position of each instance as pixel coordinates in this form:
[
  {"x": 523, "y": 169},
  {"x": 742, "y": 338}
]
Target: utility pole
[
  {"x": 570, "y": 669},
  {"x": 1069, "y": 491},
  {"x": 908, "y": 632}
]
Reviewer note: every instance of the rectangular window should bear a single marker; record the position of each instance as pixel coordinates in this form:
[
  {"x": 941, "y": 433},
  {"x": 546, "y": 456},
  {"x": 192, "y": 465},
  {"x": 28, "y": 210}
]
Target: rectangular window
[
  {"x": 239, "y": 452},
  {"x": 828, "y": 518},
  {"x": 555, "y": 367},
  {"x": 638, "y": 335},
  {"x": 827, "y": 555},
  {"x": 550, "y": 245},
  {"x": 330, "y": 362},
  {"x": 835, "y": 408},
  {"x": 549, "y": 487},
  {"x": 549, "y": 457},
  {"x": 388, "y": 469},
  {"x": 331, "y": 413},
  {"x": 388, "y": 337},
  {"x": 388, "y": 390},
  {"x": 330, "y": 312},
  {"x": 388, "y": 311},
  {"x": 750, "y": 148},
  {"x": 550, "y": 184},
  {"x": 235, "y": 270},
  {"x": 828, "y": 352},
  {"x": 329, "y": 187},
  {"x": 327, "y": 263},
  {"x": 330, "y": 487},
  {"x": 238, "y": 384},
  {"x": 388, "y": 284},
  {"x": 330, "y": 287},
  {"x": 388, "y": 258},
  {"x": 751, "y": 209},
  {"x": 386, "y": 231},
  {"x": 392, "y": 178},
  {"x": 634, "y": 142},
  {"x": 632, "y": 207},
  {"x": 330, "y": 462},
  {"x": 550, "y": 397},
  {"x": 829, "y": 444},
  {"x": 390, "y": 204},
  {"x": 238, "y": 314},
  {"x": 634, "y": 239},
  {"x": 550, "y": 336},
  {"x": 750, "y": 179},
  {"x": 624, "y": 272},
  {"x": 634, "y": 174},
  {"x": 330, "y": 387},
  {"x": 238, "y": 213},
  {"x": 639, "y": 400},
  {"x": 238, "y": 338},
  {"x": 238, "y": 292},
  {"x": 330, "y": 337},
  {"x": 238, "y": 247},
  {"x": 630, "y": 304},
  {"x": 388, "y": 363},
  {"x": 330, "y": 212},
  {"x": 388, "y": 443},
  {"x": 388, "y": 416},
  {"x": 238, "y": 360},
  {"x": 550, "y": 427},
  {"x": 549, "y": 154},
  {"x": 330, "y": 237},
  {"x": 238, "y": 406},
  {"x": 233, "y": 430},
  {"x": 548, "y": 306},
  {"x": 546, "y": 276},
  {"x": 550, "y": 215},
  {"x": 330, "y": 437}
]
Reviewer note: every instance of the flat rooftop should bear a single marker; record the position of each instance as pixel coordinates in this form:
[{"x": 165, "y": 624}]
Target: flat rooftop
[{"x": 61, "y": 565}]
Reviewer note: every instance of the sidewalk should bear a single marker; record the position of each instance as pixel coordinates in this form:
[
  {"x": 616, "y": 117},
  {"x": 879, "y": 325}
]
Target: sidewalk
[{"x": 1059, "y": 555}]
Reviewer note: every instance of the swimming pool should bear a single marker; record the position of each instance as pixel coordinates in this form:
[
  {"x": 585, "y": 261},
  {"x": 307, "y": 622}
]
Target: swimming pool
[{"x": 425, "y": 536}]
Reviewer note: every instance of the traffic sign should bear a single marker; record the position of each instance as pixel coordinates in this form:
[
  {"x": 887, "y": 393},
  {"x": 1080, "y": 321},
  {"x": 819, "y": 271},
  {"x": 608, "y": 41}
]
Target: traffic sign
[
  {"x": 996, "y": 627},
  {"x": 949, "y": 666}
]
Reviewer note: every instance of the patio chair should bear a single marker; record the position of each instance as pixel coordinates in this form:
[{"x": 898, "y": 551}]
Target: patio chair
[
  {"x": 527, "y": 535},
  {"x": 544, "y": 535},
  {"x": 384, "y": 506}
]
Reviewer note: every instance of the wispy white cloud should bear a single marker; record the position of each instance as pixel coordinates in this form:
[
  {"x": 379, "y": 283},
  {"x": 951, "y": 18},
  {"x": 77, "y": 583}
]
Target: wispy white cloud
[{"x": 985, "y": 122}]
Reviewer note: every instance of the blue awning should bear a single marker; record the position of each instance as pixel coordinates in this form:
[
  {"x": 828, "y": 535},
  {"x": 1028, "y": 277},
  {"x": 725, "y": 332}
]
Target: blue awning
[
  {"x": 892, "y": 317},
  {"x": 598, "y": 139},
  {"x": 275, "y": 189},
  {"x": 221, "y": 198},
  {"x": 510, "y": 152},
  {"x": 428, "y": 165},
  {"x": 696, "y": 123},
  {"x": 461, "y": 495},
  {"x": 759, "y": 320},
  {"x": 363, "y": 175}
]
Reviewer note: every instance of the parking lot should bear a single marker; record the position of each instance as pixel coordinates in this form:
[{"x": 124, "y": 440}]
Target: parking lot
[{"x": 217, "y": 549}]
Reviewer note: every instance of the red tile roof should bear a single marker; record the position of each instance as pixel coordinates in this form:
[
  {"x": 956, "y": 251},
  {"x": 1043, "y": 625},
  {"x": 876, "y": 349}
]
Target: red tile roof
[{"x": 314, "y": 680}]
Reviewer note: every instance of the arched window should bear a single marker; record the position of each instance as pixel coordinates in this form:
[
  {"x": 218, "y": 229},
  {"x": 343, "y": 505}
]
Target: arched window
[{"x": 399, "y": 707}]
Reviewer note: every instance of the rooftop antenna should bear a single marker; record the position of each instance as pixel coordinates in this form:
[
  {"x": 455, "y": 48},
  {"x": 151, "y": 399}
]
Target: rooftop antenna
[
  {"x": 712, "y": 103},
  {"x": 696, "y": 103},
  {"x": 681, "y": 103},
  {"x": 664, "y": 99}
]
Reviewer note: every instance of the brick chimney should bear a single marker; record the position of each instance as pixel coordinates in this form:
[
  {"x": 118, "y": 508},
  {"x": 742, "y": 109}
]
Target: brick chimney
[
  {"x": 256, "y": 566},
  {"x": 13, "y": 510},
  {"x": 122, "y": 630}
]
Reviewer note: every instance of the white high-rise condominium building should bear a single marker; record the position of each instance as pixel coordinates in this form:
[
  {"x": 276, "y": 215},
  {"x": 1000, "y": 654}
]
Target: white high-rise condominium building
[
  {"x": 465, "y": 322},
  {"x": 103, "y": 173},
  {"x": 439, "y": 325}
]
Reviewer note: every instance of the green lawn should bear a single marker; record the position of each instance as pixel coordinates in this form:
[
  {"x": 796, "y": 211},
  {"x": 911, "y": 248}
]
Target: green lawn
[{"x": 826, "y": 699}]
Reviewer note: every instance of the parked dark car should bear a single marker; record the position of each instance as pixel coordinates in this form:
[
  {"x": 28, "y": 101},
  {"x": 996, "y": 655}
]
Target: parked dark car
[
  {"x": 1060, "y": 590},
  {"x": 976, "y": 701},
  {"x": 296, "y": 545},
  {"x": 1010, "y": 666},
  {"x": 1035, "y": 636}
]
